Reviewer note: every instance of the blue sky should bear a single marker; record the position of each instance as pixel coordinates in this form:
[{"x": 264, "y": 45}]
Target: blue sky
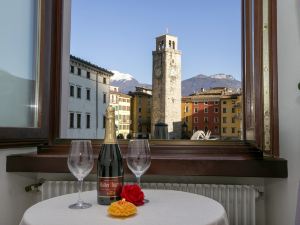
[{"x": 120, "y": 34}]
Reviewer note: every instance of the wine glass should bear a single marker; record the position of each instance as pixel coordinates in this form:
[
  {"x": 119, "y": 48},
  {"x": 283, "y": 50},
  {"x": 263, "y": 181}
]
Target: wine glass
[
  {"x": 138, "y": 157},
  {"x": 80, "y": 163}
]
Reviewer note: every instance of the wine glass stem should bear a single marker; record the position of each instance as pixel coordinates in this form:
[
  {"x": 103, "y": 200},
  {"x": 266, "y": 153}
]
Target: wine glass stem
[
  {"x": 79, "y": 185},
  {"x": 138, "y": 180}
]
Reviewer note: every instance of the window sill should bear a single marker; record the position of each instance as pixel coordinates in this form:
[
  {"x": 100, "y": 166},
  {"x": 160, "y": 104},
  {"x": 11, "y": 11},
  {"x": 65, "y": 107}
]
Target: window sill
[{"x": 176, "y": 158}]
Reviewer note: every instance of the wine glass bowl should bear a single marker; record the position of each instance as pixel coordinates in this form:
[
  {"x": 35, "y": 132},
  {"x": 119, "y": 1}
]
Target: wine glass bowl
[
  {"x": 138, "y": 157},
  {"x": 80, "y": 163}
]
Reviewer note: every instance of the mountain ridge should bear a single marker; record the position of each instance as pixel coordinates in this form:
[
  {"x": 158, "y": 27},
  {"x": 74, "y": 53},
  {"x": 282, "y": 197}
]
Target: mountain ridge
[{"x": 188, "y": 86}]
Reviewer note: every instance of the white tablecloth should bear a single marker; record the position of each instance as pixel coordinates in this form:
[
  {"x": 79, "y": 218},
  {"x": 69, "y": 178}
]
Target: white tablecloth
[{"x": 165, "y": 208}]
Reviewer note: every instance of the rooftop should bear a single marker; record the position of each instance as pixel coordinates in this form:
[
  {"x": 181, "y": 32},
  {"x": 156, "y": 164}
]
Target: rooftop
[{"x": 89, "y": 64}]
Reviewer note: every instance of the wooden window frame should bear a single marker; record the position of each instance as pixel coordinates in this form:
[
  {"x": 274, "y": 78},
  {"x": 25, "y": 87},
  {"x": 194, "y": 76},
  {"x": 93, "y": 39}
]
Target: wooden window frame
[
  {"x": 182, "y": 157},
  {"x": 15, "y": 136}
]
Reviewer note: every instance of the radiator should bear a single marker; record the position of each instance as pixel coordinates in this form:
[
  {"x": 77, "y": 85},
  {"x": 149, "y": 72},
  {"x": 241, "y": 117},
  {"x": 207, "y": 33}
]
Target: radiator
[{"x": 238, "y": 200}]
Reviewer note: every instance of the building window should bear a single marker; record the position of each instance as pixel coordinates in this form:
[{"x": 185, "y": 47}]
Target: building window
[
  {"x": 224, "y": 110},
  {"x": 78, "y": 71},
  {"x": 224, "y": 120},
  {"x": 71, "y": 120},
  {"x": 205, "y": 102},
  {"x": 140, "y": 109},
  {"x": 78, "y": 120},
  {"x": 104, "y": 98},
  {"x": 195, "y": 110},
  {"x": 216, "y": 129},
  {"x": 233, "y": 110},
  {"x": 216, "y": 102},
  {"x": 224, "y": 102},
  {"x": 71, "y": 90},
  {"x": 88, "y": 121},
  {"x": 78, "y": 92},
  {"x": 104, "y": 121},
  {"x": 205, "y": 110},
  {"x": 195, "y": 119},
  {"x": 233, "y": 119},
  {"x": 233, "y": 130},
  {"x": 224, "y": 130},
  {"x": 195, "y": 103},
  {"x": 88, "y": 74},
  {"x": 186, "y": 119},
  {"x": 205, "y": 129},
  {"x": 216, "y": 110},
  {"x": 88, "y": 94},
  {"x": 72, "y": 69},
  {"x": 205, "y": 119},
  {"x": 216, "y": 119},
  {"x": 104, "y": 80},
  {"x": 186, "y": 109}
]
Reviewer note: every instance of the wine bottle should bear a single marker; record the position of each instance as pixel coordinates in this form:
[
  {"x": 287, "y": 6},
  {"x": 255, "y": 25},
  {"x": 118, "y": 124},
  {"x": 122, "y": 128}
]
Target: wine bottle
[{"x": 110, "y": 173}]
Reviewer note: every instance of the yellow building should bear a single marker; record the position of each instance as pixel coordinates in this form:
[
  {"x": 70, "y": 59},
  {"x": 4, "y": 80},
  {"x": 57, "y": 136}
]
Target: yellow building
[
  {"x": 231, "y": 116},
  {"x": 141, "y": 102},
  {"x": 121, "y": 103},
  {"x": 186, "y": 116}
]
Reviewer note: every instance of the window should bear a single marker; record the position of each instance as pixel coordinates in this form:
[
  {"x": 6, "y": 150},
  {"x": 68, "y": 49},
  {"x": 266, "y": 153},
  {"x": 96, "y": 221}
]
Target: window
[
  {"x": 140, "y": 109},
  {"x": 186, "y": 109},
  {"x": 104, "y": 80},
  {"x": 72, "y": 69},
  {"x": 205, "y": 110},
  {"x": 233, "y": 130},
  {"x": 71, "y": 90},
  {"x": 195, "y": 103},
  {"x": 224, "y": 129},
  {"x": 71, "y": 120},
  {"x": 216, "y": 119},
  {"x": 224, "y": 110},
  {"x": 195, "y": 119},
  {"x": 195, "y": 110},
  {"x": 205, "y": 102},
  {"x": 233, "y": 119},
  {"x": 233, "y": 110},
  {"x": 88, "y": 121},
  {"x": 78, "y": 92},
  {"x": 88, "y": 94},
  {"x": 224, "y": 119},
  {"x": 224, "y": 102},
  {"x": 216, "y": 129},
  {"x": 216, "y": 110},
  {"x": 248, "y": 75},
  {"x": 104, "y": 121},
  {"x": 78, "y": 71},
  {"x": 104, "y": 98},
  {"x": 88, "y": 75},
  {"x": 78, "y": 120},
  {"x": 205, "y": 119},
  {"x": 216, "y": 102}
]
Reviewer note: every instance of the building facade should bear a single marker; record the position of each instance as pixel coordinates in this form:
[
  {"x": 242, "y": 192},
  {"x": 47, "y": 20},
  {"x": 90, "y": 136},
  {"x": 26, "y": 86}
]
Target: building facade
[
  {"x": 88, "y": 100},
  {"x": 121, "y": 103},
  {"x": 187, "y": 113},
  {"x": 231, "y": 116},
  {"x": 166, "y": 85},
  {"x": 141, "y": 103},
  {"x": 218, "y": 110}
]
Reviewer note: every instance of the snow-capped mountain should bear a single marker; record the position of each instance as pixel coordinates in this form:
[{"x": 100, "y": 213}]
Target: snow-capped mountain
[
  {"x": 222, "y": 76},
  {"x": 127, "y": 82},
  {"x": 120, "y": 76}
]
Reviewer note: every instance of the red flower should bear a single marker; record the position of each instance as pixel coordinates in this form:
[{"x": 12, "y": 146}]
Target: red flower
[{"x": 133, "y": 194}]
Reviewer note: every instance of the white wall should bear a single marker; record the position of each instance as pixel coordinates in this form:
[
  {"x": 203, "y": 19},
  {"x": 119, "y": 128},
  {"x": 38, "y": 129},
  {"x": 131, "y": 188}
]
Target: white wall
[
  {"x": 281, "y": 194},
  {"x": 13, "y": 198}
]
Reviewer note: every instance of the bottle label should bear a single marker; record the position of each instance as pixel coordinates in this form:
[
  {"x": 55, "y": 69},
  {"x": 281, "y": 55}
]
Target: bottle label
[{"x": 110, "y": 186}]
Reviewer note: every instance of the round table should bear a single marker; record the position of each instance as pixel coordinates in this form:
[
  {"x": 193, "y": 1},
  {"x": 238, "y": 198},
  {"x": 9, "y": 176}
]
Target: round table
[{"x": 166, "y": 207}]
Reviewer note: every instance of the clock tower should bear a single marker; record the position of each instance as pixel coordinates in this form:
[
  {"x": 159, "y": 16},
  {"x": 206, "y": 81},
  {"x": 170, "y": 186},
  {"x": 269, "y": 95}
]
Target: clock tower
[{"x": 166, "y": 85}]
